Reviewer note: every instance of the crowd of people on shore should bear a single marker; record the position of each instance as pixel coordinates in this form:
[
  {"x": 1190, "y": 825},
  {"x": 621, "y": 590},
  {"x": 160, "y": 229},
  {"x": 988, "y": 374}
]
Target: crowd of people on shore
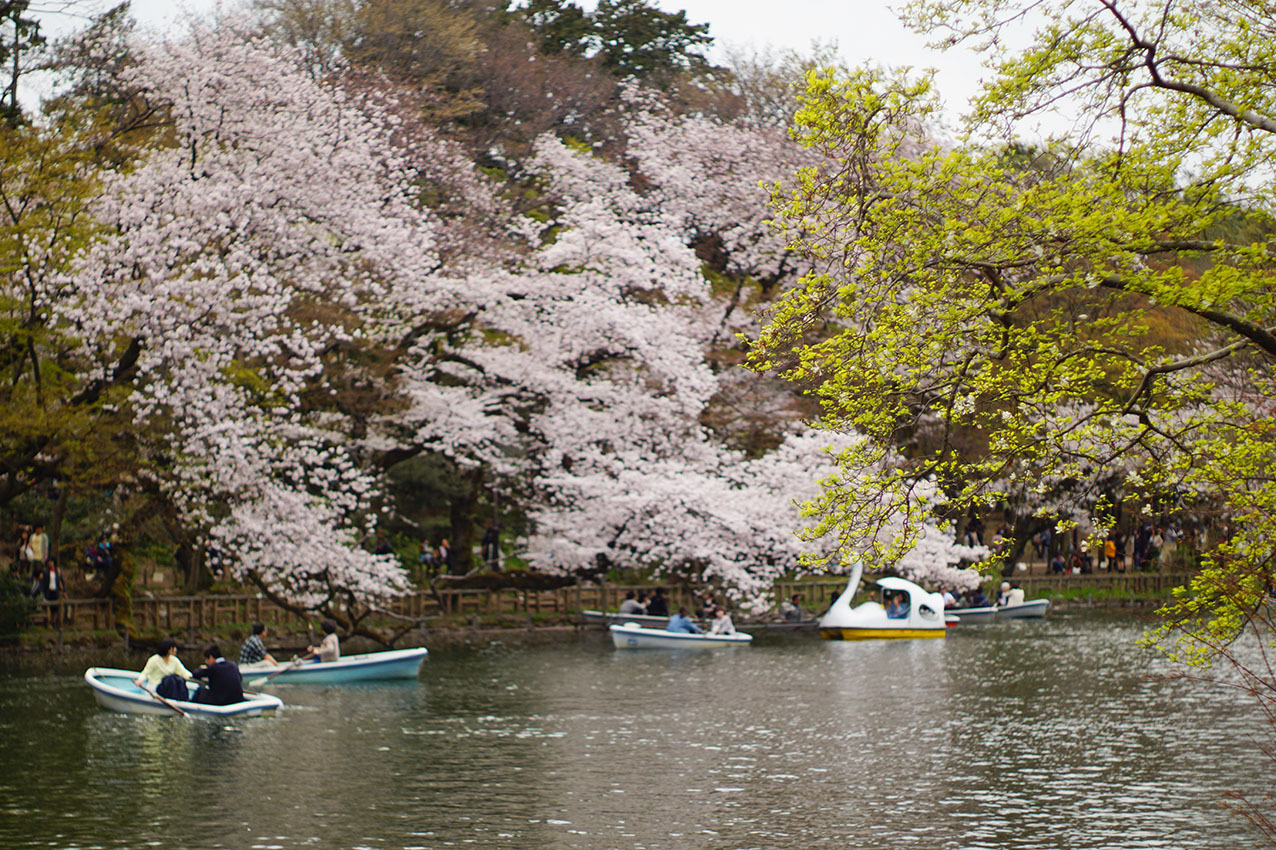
[{"x": 1149, "y": 547}]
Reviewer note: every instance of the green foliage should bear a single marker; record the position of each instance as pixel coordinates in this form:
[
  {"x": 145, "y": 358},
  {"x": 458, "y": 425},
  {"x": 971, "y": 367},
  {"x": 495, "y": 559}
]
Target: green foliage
[
  {"x": 19, "y": 34},
  {"x": 51, "y": 421},
  {"x": 15, "y": 606},
  {"x": 1050, "y": 325},
  {"x": 630, "y": 38},
  {"x": 637, "y": 39},
  {"x": 562, "y": 27}
]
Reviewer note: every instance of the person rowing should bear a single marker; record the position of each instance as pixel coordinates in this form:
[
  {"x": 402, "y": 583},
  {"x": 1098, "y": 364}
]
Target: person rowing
[
  {"x": 225, "y": 685},
  {"x": 329, "y": 649},
  {"x": 680, "y": 622}
]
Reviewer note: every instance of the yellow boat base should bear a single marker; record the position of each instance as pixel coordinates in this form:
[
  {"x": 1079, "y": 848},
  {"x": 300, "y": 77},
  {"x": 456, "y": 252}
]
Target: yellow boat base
[{"x": 877, "y": 634}]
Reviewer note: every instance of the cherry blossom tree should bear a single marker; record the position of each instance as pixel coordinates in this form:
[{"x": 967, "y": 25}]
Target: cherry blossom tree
[
  {"x": 267, "y": 227},
  {"x": 585, "y": 372},
  {"x": 278, "y": 239}
]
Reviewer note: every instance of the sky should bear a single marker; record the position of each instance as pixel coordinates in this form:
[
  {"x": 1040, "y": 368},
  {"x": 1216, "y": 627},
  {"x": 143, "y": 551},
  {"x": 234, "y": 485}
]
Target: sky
[{"x": 864, "y": 31}]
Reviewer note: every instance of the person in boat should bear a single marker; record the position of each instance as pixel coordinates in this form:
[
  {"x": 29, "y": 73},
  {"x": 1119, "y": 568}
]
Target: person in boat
[
  {"x": 722, "y": 624},
  {"x": 1009, "y": 595},
  {"x": 253, "y": 649},
  {"x": 680, "y": 622},
  {"x": 657, "y": 606},
  {"x": 631, "y": 605},
  {"x": 950, "y": 599},
  {"x": 897, "y": 607},
  {"x": 224, "y": 684},
  {"x": 164, "y": 672},
  {"x": 979, "y": 599},
  {"x": 329, "y": 649},
  {"x": 791, "y": 609}
]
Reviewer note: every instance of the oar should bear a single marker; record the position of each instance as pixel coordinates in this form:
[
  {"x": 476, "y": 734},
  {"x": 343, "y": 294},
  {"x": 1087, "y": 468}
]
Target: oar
[
  {"x": 257, "y": 683},
  {"x": 171, "y": 705}
]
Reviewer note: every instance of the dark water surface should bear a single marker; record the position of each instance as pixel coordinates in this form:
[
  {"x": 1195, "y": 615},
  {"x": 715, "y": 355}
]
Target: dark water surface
[{"x": 1046, "y": 734}]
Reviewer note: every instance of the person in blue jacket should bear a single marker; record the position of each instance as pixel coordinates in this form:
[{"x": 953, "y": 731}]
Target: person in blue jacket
[
  {"x": 680, "y": 622},
  {"x": 225, "y": 685}
]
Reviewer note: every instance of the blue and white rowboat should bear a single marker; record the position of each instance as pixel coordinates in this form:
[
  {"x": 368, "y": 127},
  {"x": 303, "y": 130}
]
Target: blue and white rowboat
[
  {"x": 633, "y": 636},
  {"x": 966, "y": 616},
  {"x": 1023, "y": 610},
  {"x": 370, "y": 666},
  {"x": 117, "y": 690}
]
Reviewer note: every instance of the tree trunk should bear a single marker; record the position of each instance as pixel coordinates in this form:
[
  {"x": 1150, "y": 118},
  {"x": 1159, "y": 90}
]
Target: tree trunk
[
  {"x": 462, "y": 513},
  {"x": 193, "y": 563},
  {"x": 55, "y": 528},
  {"x": 1022, "y": 530}
]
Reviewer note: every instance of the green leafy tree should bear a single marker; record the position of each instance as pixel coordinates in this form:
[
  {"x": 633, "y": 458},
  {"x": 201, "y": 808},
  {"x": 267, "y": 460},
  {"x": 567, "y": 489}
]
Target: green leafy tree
[
  {"x": 1036, "y": 320},
  {"x": 636, "y": 39},
  {"x": 19, "y": 34},
  {"x": 631, "y": 38},
  {"x": 54, "y": 421},
  {"x": 562, "y": 27}
]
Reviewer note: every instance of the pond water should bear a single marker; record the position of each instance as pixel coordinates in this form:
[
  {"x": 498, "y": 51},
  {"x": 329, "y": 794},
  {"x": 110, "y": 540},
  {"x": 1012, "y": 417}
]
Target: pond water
[{"x": 1030, "y": 734}]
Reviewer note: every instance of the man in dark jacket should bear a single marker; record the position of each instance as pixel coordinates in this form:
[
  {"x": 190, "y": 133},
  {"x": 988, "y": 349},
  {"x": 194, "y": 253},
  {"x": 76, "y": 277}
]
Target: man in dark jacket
[{"x": 225, "y": 686}]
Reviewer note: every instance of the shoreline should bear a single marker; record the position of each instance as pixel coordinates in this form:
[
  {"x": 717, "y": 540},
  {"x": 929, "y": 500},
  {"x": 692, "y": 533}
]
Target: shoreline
[{"x": 51, "y": 646}]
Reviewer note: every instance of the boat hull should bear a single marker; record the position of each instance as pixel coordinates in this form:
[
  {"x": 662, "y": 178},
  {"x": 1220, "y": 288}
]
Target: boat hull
[
  {"x": 879, "y": 634},
  {"x": 1024, "y": 610},
  {"x": 602, "y": 618},
  {"x": 923, "y": 617},
  {"x": 631, "y": 636},
  {"x": 968, "y": 616},
  {"x": 115, "y": 690},
  {"x": 366, "y": 667}
]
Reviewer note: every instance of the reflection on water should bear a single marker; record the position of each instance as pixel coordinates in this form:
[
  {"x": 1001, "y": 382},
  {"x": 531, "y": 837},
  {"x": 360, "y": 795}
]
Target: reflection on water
[{"x": 1022, "y": 735}]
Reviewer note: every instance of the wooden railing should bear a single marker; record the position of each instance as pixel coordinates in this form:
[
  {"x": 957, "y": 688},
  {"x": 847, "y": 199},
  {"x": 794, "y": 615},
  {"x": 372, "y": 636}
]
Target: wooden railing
[{"x": 177, "y": 614}]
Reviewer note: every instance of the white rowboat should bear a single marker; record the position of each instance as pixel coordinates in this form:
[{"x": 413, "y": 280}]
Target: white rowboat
[
  {"x": 633, "y": 636},
  {"x": 1023, "y": 610},
  {"x": 117, "y": 690},
  {"x": 369, "y": 666},
  {"x": 968, "y": 616}
]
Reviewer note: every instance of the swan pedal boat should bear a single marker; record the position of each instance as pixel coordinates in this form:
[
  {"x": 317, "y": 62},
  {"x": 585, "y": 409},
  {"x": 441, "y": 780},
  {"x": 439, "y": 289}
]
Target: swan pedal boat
[
  {"x": 117, "y": 690},
  {"x": 926, "y": 617},
  {"x": 634, "y": 636},
  {"x": 368, "y": 666}
]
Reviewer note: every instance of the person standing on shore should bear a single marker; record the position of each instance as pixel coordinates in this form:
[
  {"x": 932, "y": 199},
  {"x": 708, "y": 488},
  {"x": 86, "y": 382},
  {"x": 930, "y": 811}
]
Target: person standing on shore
[
  {"x": 24, "y": 550},
  {"x": 39, "y": 544},
  {"x": 50, "y": 586}
]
